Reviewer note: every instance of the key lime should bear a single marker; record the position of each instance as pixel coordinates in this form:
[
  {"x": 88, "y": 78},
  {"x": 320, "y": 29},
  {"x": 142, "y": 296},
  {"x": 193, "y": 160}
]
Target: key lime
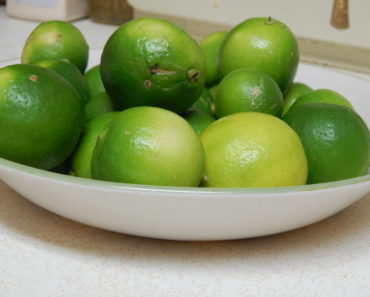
[
  {"x": 322, "y": 96},
  {"x": 248, "y": 90},
  {"x": 97, "y": 105},
  {"x": 149, "y": 145},
  {"x": 70, "y": 72},
  {"x": 335, "y": 138},
  {"x": 205, "y": 103},
  {"x": 211, "y": 45},
  {"x": 56, "y": 40},
  {"x": 41, "y": 116},
  {"x": 81, "y": 160},
  {"x": 198, "y": 119},
  {"x": 250, "y": 149},
  {"x": 94, "y": 82},
  {"x": 295, "y": 90},
  {"x": 153, "y": 62},
  {"x": 265, "y": 44}
]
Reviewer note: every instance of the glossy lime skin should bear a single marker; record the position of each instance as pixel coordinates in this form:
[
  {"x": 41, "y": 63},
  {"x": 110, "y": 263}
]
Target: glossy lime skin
[
  {"x": 94, "y": 82},
  {"x": 211, "y": 45},
  {"x": 335, "y": 139},
  {"x": 198, "y": 119},
  {"x": 149, "y": 145},
  {"x": 322, "y": 96},
  {"x": 248, "y": 90},
  {"x": 97, "y": 105},
  {"x": 41, "y": 116},
  {"x": 152, "y": 62},
  {"x": 81, "y": 161},
  {"x": 264, "y": 44},
  {"x": 250, "y": 150},
  {"x": 70, "y": 72},
  {"x": 295, "y": 91},
  {"x": 56, "y": 40}
]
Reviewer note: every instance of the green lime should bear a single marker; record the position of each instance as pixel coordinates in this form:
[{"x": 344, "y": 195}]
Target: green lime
[
  {"x": 94, "y": 82},
  {"x": 335, "y": 138},
  {"x": 70, "y": 72},
  {"x": 213, "y": 91},
  {"x": 41, "y": 116},
  {"x": 81, "y": 160},
  {"x": 211, "y": 45},
  {"x": 152, "y": 62},
  {"x": 205, "y": 103},
  {"x": 149, "y": 145},
  {"x": 198, "y": 119},
  {"x": 248, "y": 90},
  {"x": 97, "y": 105},
  {"x": 251, "y": 149},
  {"x": 322, "y": 96},
  {"x": 56, "y": 40},
  {"x": 264, "y": 44},
  {"x": 295, "y": 90}
]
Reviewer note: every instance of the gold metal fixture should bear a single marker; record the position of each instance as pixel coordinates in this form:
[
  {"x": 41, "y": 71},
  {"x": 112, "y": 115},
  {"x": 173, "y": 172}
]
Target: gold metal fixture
[{"x": 339, "y": 16}]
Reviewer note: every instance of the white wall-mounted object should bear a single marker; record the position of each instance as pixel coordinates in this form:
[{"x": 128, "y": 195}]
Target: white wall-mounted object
[{"x": 44, "y": 10}]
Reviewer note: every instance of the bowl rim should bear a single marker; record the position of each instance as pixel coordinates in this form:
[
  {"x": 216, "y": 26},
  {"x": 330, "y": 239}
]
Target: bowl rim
[{"x": 64, "y": 178}]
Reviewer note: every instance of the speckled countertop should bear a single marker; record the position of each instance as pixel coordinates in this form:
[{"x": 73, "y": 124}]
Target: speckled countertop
[{"x": 42, "y": 254}]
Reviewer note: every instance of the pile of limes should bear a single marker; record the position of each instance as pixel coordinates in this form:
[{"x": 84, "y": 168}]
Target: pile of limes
[{"x": 163, "y": 109}]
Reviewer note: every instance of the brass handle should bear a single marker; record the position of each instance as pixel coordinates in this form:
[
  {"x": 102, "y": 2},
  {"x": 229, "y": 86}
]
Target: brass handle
[{"x": 339, "y": 16}]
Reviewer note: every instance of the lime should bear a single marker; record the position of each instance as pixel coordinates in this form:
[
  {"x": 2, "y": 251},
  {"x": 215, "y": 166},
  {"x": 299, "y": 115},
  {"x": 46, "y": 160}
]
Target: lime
[
  {"x": 322, "y": 96},
  {"x": 213, "y": 91},
  {"x": 211, "y": 45},
  {"x": 251, "y": 149},
  {"x": 70, "y": 72},
  {"x": 97, "y": 105},
  {"x": 205, "y": 103},
  {"x": 56, "y": 40},
  {"x": 335, "y": 138},
  {"x": 264, "y": 44},
  {"x": 41, "y": 116},
  {"x": 153, "y": 62},
  {"x": 81, "y": 160},
  {"x": 149, "y": 145},
  {"x": 295, "y": 90},
  {"x": 198, "y": 119},
  {"x": 94, "y": 82},
  {"x": 248, "y": 90}
]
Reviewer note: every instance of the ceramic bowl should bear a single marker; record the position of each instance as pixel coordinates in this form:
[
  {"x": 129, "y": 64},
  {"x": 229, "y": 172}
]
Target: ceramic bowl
[{"x": 197, "y": 213}]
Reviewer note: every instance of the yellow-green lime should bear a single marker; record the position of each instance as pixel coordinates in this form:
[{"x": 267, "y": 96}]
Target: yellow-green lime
[
  {"x": 198, "y": 119},
  {"x": 322, "y": 96},
  {"x": 149, "y": 145},
  {"x": 94, "y": 82},
  {"x": 335, "y": 138},
  {"x": 98, "y": 104},
  {"x": 70, "y": 72},
  {"x": 265, "y": 44},
  {"x": 81, "y": 160},
  {"x": 56, "y": 40},
  {"x": 248, "y": 90},
  {"x": 152, "y": 62},
  {"x": 210, "y": 45},
  {"x": 295, "y": 90},
  {"x": 249, "y": 150},
  {"x": 41, "y": 116}
]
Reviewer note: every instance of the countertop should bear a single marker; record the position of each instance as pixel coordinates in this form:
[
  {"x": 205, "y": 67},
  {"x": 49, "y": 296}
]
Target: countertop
[{"x": 43, "y": 254}]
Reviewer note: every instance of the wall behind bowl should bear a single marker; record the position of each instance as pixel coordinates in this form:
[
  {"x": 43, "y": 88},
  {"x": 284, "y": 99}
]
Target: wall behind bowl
[{"x": 309, "y": 20}]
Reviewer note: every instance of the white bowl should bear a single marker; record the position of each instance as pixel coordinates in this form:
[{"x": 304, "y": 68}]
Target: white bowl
[{"x": 196, "y": 213}]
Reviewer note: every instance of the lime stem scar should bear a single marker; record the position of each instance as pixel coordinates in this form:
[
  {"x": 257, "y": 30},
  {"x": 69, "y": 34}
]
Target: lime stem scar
[{"x": 193, "y": 75}]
